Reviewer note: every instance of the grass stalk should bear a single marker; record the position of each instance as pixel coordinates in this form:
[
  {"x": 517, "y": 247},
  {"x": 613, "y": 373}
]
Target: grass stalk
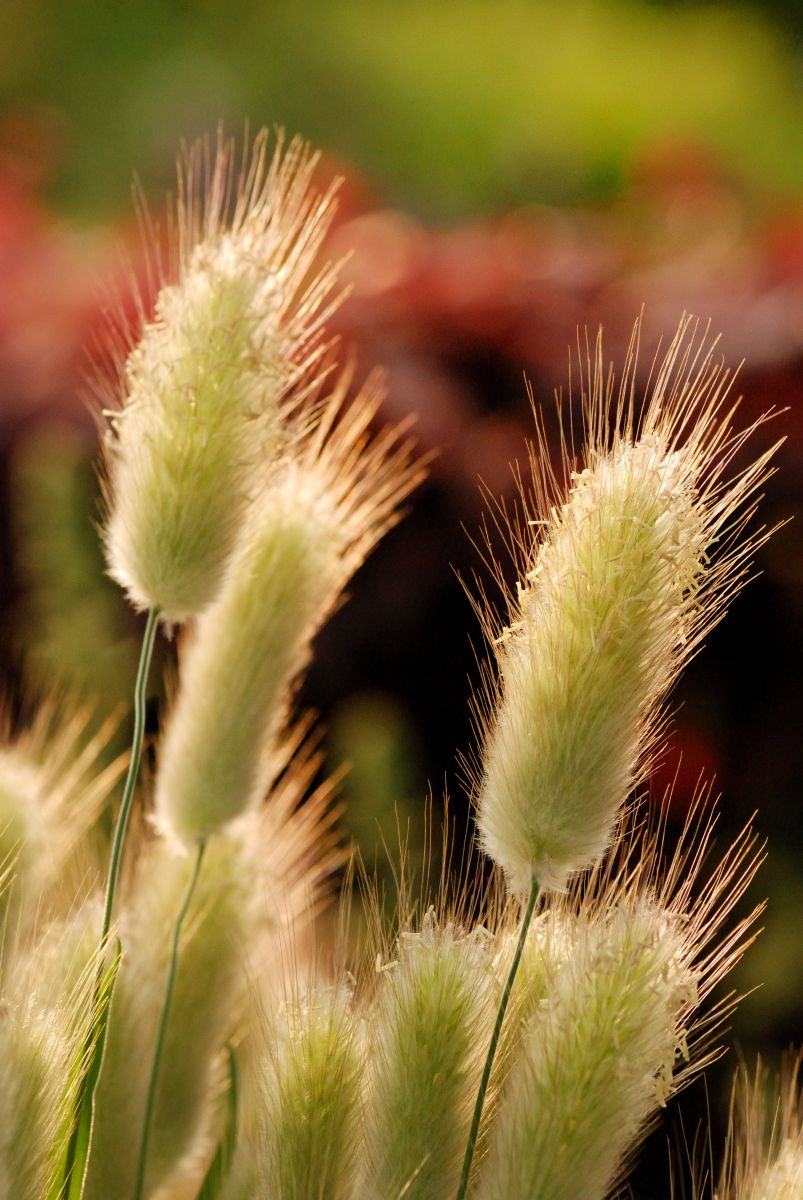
[
  {"x": 497, "y": 1030},
  {"x": 86, "y": 1090},
  {"x": 116, "y": 856},
  {"x": 163, "y": 1021}
]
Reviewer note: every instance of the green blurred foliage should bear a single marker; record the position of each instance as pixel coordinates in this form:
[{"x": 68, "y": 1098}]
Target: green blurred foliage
[
  {"x": 71, "y": 619},
  {"x": 449, "y": 108},
  {"x": 373, "y": 740}
]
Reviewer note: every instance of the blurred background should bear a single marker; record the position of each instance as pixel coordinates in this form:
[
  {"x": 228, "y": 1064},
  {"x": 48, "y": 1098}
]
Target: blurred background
[{"x": 515, "y": 170}]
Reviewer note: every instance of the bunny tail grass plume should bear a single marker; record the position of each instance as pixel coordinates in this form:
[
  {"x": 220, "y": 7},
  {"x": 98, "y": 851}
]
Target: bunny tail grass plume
[
  {"x": 617, "y": 1032},
  {"x": 324, "y": 510},
  {"x": 616, "y": 594},
  {"x": 237, "y": 325},
  {"x": 310, "y": 1100},
  {"x": 52, "y": 789},
  {"x": 764, "y": 1155},
  {"x": 428, "y": 1033}
]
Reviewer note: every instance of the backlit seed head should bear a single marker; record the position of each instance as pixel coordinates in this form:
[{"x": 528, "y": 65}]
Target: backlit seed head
[
  {"x": 622, "y": 573},
  {"x": 234, "y": 328},
  {"x": 325, "y": 507}
]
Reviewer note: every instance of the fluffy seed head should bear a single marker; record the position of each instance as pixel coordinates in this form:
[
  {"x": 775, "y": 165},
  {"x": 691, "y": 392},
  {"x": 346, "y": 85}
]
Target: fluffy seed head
[
  {"x": 429, "y": 1032},
  {"x": 616, "y": 592},
  {"x": 617, "y": 1031},
  {"x": 324, "y": 510},
  {"x": 207, "y": 1002},
  {"x": 310, "y": 1101},
  {"x": 200, "y": 393}
]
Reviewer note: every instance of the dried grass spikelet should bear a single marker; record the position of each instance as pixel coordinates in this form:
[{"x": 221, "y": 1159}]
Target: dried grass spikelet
[
  {"x": 53, "y": 787},
  {"x": 617, "y": 594},
  {"x": 260, "y": 885},
  {"x": 764, "y": 1154},
  {"x": 322, "y": 512},
  {"x": 428, "y": 1032},
  {"x": 237, "y": 323},
  {"x": 619, "y": 1030}
]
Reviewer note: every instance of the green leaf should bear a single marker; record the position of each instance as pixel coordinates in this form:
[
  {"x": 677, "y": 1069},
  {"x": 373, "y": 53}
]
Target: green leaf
[
  {"x": 76, "y": 1129},
  {"x": 220, "y": 1164}
]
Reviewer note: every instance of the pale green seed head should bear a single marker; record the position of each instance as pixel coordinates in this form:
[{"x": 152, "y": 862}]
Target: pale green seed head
[
  {"x": 310, "y": 1091},
  {"x": 783, "y": 1178},
  {"x": 245, "y": 652},
  {"x": 593, "y": 1063},
  {"x": 52, "y": 788},
  {"x": 427, "y": 1036},
  {"x": 203, "y": 388},
  {"x": 322, "y": 512},
  {"x": 40, "y": 1041},
  {"x": 21, "y": 804},
  {"x": 764, "y": 1153},
  {"x": 33, "y": 1071},
  {"x": 616, "y": 592}
]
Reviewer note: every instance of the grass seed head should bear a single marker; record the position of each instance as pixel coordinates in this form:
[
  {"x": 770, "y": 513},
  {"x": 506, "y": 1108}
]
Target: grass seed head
[
  {"x": 622, "y": 573},
  {"x": 201, "y": 391}
]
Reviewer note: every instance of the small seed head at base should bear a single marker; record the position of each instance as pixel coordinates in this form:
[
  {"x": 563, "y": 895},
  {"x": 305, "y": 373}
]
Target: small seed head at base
[
  {"x": 428, "y": 1033},
  {"x": 208, "y": 1002},
  {"x": 201, "y": 390},
  {"x": 311, "y": 1080},
  {"x": 617, "y": 592},
  {"x": 590, "y": 1062}
]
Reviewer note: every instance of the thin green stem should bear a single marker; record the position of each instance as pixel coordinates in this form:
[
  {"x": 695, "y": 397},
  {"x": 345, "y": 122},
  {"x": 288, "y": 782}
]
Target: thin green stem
[
  {"x": 489, "y": 1059},
  {"x": 172, "y": 971},
  {"x": 116, "y": 857},
  {"x": 86, "y": 1090}
]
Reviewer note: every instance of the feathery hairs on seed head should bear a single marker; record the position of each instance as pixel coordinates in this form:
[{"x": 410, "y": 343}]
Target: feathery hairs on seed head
[
  {"x": 46, "y": 991},
  {"x": 53, "y": 786},
  {"x": 616, "y": 592},
  {"x": 234, "y": 331},
  {"x": 620, "y": 1029},
  {"x": 764, "y": 1153},
  {"x": 309, "y": 1089},
  {"x": 428, "y": 1030},
  {"x": 323, "y": 509}
]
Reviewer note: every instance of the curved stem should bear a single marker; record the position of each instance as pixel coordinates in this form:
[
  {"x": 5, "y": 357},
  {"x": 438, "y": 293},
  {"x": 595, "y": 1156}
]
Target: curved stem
[
  {"x": 86, "y": 1091},
  {"x": 172, "y": 971},
  {"x": 489, "y": 1059},
  {"x": 116, "y": 857}
]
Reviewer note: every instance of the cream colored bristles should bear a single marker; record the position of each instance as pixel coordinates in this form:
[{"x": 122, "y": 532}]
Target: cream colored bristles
[
  {"x": 53, "y": 787},
  {"x": 429, "y": 1030},
  {"x": 764, "y": 1155},
  {"x": 202, "y": 390},
  {"x": 616, "y": 593}
]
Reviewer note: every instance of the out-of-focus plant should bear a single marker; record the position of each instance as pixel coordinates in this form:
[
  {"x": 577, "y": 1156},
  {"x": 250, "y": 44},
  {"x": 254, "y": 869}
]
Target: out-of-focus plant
[{"x": 192, "y": 1029}]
